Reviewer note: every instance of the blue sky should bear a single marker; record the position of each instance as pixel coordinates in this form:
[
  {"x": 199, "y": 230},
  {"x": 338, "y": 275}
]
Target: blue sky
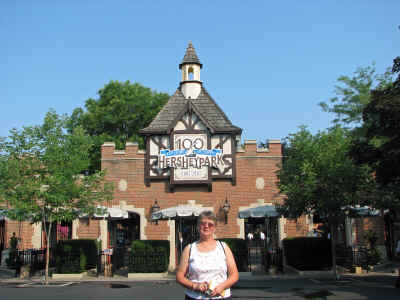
[{"x": 266, "y": 63}]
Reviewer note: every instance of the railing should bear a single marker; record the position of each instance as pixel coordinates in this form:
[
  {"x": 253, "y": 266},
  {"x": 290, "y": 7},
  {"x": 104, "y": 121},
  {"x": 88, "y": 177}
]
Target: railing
[
  {"x": 104, "y": 264},
  {"x": 274, "y": 257},
  {"x": 34, "y": 258},
  {"x": 348, "y": 256},
  {"x": 147, "y": 263},
  {"x": 260, "y": 258}
]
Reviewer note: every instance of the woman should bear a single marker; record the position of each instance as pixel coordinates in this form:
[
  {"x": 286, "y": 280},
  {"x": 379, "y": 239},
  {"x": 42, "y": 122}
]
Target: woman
[{"x": 207, "y": 268}]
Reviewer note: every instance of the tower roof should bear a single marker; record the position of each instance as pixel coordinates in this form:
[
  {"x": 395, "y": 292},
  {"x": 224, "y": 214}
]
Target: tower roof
[
  {"x": 190, "y": 57},
  {"x": 204, "y": 104}
]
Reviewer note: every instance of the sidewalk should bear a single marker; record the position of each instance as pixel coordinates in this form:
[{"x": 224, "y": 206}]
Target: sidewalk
[{"x": 245, "y": 279}]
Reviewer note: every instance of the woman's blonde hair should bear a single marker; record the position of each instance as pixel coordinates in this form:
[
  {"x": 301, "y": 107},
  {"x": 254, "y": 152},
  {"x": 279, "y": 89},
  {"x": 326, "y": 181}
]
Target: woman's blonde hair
[{"x": 207, "y": 214}]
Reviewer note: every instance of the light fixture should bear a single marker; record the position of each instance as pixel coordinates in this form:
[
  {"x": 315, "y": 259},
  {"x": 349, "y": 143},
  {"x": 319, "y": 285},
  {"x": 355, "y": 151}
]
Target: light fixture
[
  {"x": 226, "y": 208},
  {"x": 155, "y": 208}
]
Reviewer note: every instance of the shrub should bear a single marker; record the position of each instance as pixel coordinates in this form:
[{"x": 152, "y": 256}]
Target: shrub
[
  {"x": 149, "y": 256},
  {"x": 76, "y": 256},
  {"x": 239, "y": 250},
  {"x": 308, "y": 253}
]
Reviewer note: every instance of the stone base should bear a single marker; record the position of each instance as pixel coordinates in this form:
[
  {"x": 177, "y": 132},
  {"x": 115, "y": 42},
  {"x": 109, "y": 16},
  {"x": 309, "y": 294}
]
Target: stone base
[
  {"x": 147, "y": 275},
  {"x": 69, "y": 276},
  {"x": 25, "y": 272}
]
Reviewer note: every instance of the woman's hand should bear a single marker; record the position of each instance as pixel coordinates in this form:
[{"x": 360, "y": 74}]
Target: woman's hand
[
  {"x": 200, "y": 286},
  {"x": 217, "y": 290}
]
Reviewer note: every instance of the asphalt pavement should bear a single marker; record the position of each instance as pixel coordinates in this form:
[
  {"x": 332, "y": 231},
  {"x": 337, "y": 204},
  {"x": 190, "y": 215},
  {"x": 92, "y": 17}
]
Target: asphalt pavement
[{"x": 374, "y": 285}]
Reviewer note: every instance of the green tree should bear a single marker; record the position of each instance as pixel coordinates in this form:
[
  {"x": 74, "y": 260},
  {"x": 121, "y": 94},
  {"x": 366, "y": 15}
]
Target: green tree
[
  {"x": 40, "y": 179},
  {"x": 319, "y": 177},
  {"x": 121, "y": 110},
  {"x": 380, "y": 146},
  {"x": 353, "y": 93}
]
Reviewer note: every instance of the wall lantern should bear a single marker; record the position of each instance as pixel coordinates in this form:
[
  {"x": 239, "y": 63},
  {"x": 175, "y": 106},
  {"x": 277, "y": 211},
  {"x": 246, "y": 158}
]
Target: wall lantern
[
  {"x": 226, "y": 208},
  {"x": 155, "y": 208}
]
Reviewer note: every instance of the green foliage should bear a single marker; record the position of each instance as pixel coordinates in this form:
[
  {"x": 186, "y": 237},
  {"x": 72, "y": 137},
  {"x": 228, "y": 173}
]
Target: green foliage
[
  {"x": 40, "y": 174},
  {"x": 149, "y": 256},
  {"x": 75, "y": 256},
  {"x": 13, "y": 243},
  {"x": 380, "y": 145},
  {"x": 373, "y": 255},
  {"x": 12, "y": 260},
  {"x": 318, "y": 175},
  {"x": 308, "y": 253},
  {"x": 87, "y": 246},
  {"x": 371, "y": 237},
  {"x": 354, "y": 93},
  {"x": 239, "y": 251},
  {"x": 122, "y": 109}
]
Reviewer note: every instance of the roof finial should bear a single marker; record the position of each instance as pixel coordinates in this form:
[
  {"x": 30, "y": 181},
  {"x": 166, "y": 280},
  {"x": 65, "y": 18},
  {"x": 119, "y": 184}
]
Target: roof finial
[{"x": 190, "y": 56}]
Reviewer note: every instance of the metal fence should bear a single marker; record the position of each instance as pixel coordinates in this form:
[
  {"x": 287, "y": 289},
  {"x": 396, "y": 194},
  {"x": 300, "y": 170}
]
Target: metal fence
[
  {"x": 34, "y": 258},
  {"x": 109, "y": 262},
  {"x": 261, "y": 259},
  {"x": 348, "y": 256}
]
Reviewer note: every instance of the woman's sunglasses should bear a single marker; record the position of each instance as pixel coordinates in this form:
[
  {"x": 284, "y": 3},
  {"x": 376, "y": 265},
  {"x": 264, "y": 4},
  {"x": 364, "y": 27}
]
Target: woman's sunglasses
[{"x": 208, "y": 224}]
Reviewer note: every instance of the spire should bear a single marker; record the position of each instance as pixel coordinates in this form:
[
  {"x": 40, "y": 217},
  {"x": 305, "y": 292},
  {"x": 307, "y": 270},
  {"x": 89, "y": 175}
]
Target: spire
[{"x": 190, "y": 57}]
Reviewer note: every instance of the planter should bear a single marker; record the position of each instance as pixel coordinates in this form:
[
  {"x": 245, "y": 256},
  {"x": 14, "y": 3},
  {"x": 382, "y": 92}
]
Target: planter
[
  {"x": 69, "y": 276},
  {"x": 25, "y": 272},
  {"x": 147, "y": 275}
]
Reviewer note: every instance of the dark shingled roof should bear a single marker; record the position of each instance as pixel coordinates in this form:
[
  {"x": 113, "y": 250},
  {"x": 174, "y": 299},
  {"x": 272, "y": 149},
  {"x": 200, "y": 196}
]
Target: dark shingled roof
[
  {"x": 209, "y": 111},
  {"x": 190, "y": 57}
]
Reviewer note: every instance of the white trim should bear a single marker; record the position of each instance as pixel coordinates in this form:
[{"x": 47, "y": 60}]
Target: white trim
[
  {"x": 171, "y": 239},
  {"x": 123, "y": 158},
  {"x": 251, "y": 156}
]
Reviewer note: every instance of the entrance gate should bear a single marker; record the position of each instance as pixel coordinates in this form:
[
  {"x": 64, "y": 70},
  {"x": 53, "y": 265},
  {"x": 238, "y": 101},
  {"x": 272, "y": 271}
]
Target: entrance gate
[{"x": 186, "y": 232}]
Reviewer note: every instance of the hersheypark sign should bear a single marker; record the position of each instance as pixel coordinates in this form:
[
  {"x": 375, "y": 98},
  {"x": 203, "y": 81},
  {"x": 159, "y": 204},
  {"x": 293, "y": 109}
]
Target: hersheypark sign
[
  {"x": 185, "y": 159},
  {"x": 190, "y": 160}
]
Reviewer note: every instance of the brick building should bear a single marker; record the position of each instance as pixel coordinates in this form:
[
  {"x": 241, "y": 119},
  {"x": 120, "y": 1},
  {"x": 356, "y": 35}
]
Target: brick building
[{"x": 193, "y": 160}]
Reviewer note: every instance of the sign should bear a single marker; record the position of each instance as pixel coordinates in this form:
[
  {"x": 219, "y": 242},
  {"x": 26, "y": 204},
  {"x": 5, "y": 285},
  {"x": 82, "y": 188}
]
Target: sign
[
  {"x": 108, "y": 251},
  {"x": 190, "y": 158}
]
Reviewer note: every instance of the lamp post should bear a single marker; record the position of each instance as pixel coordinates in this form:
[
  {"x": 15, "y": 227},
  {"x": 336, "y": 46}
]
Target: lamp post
[
  {"x": 226, "y": 208},
  {"x": 154, "y": 208}
]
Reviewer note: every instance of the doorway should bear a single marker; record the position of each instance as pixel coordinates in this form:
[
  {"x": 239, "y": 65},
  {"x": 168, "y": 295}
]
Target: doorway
[
  {"x": 186, "y": 232},
  {"x": 268, "y": 226},
  {"x": 122, "y": 232}
]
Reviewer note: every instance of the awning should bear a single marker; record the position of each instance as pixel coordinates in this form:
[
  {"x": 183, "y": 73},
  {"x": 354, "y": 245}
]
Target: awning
[
  {"x": 363, "y": 211},
  {"x": 265, "y": 211},
  {"x": 2, "y": 214},
  {"x": 112, "y": 212},
  {"x": 185, "y": 210}
]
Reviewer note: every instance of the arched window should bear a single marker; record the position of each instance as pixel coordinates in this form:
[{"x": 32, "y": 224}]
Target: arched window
[{"x": 191, "y": 73}]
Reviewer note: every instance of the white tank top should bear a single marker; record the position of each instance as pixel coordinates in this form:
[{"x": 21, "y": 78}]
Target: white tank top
[{"x": 206, "y": 267}]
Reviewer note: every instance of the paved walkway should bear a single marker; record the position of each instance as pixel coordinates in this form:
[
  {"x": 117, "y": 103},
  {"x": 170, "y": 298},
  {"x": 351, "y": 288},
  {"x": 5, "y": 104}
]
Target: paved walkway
[{"x": 387, "y": 272}]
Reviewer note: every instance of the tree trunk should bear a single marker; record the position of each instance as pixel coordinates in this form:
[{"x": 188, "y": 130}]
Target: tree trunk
[
  {"x": 47, "y": 253},
  {"x": 333, "y": 246}
]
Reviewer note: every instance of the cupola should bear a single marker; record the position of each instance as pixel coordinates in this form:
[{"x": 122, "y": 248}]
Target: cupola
[{"x": 190, "y": 66}]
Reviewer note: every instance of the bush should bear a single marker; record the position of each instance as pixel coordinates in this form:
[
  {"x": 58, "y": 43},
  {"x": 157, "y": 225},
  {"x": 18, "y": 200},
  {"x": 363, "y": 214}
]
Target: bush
[
  {"x": 76, "y": 256},
  {"x": 239, "y": 250},
  {"x": 308, "y": 253},
  {"x": 149, "y": 256}
]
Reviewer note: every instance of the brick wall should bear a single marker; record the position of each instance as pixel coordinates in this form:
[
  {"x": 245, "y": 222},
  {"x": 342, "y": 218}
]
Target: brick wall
[
  {"x": 252, "y": 164},
  {"x": 88, "y": 228},
  {"x": 23, "y": 230}
]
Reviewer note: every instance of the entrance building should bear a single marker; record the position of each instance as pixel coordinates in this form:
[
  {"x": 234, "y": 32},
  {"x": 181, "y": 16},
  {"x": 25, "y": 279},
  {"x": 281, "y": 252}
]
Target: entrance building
[{"x": 194, "y": 158}]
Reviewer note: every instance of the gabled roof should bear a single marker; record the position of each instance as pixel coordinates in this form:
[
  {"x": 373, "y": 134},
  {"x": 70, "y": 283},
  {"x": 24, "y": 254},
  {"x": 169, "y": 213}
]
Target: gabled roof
[
  {"x": 203, "y": 105},
  {"x": 190, "y": 57}
]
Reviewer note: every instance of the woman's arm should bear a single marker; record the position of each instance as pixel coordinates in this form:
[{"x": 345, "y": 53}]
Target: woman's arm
[
  {"x": 182, "y": 271},
  {"x": 233, "y": 274}
]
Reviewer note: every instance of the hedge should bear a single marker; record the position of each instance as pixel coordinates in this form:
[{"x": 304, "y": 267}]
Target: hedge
[
  {"x": 149, "y": 256},
  {"x": 308, "y": 253},
  {"x": 75, "y": 256},
  {"x": 239, "y": 250}
]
